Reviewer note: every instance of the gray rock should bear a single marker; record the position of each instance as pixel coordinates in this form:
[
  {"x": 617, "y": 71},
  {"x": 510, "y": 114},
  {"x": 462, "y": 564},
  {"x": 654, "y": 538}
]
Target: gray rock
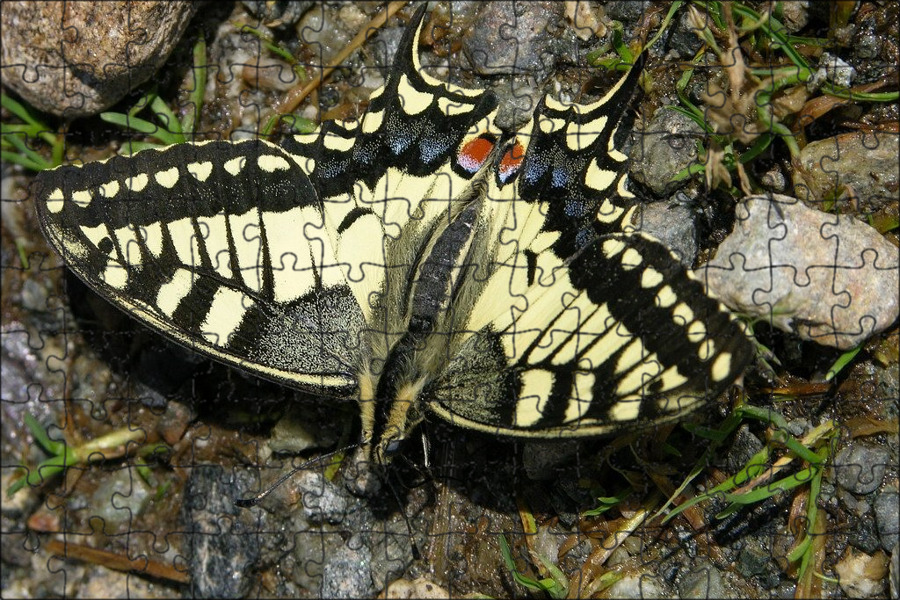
[
  {"x": 743, "y": 448},
  {"x": 640, "y": 586},
  {"x": 78, "y": 58},
  {"x": 827, "y": 278},
  {"x": 120, "y": 499},
  {"x": 664, "y": 147},
  {"x": 795, "y": 15},
  {"x": 837, "y": 69},
  {"x": 866, "y": 162},
  {"x": 684, "y": 41},
  {"x": 864, "y": 534},
  {"x": 391, "y": 549},
  {"x": 512, "y": 38},
  {"x": 887, "y": 381},
  {"x": 774, "y": 180},
  {"x": 342, "y": 576},
  {"x": 35, "y": 295},
  {"x": 323, "y": 501},
  {"x": 222, "y": 552},
  {"x": 673, "y": 224},
  {"x": 895, "y": 571},
  {"x": 291, "y": 435},
  {"x": 887, "y": 506},
  {"x": 860, "y": 467},
  {"x": 627, "y": 10},
  {"x": 703, "y": 582},
  {"x": 755, "y": 561},
  {"x": 280, "y": 13},
  {"x": 324, "y": 558}
]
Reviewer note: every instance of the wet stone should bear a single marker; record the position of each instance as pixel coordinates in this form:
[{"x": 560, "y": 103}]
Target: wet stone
[
  {"x": 860, "y": 467},
  {"x": 886, "y": 507},
  {"x": 772, "y": 266},
  {"x": 221, "y": 550}
]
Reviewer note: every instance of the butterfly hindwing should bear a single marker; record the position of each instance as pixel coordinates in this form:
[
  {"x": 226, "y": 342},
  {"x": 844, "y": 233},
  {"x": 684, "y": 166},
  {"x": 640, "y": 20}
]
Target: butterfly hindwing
[
  {"x": 559, "y": 176},
  {"x": 392, "y": 181}
]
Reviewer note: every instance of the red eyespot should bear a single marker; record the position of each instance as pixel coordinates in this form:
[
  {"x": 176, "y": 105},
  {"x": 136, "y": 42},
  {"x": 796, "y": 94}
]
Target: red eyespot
[
  {"x": 474, "y": 153},
  {"x": 511, "y": 161}
]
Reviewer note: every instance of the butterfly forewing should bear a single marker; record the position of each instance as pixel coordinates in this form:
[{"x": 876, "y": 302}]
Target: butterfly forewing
[
  {"x": 218, "y": 245},
  {"x": 584, "y": 359}
]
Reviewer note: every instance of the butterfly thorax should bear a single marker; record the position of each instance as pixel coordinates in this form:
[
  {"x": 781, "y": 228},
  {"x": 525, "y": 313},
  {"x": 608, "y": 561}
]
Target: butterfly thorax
[{"x": 428, "y": 304}]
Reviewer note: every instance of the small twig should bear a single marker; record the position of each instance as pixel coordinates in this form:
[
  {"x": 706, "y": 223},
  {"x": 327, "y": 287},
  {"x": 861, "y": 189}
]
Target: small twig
[
  {"x": 602, "y": 552},
  {"x": 117, "y": 562},
  {"x": 296, "y": 96}
]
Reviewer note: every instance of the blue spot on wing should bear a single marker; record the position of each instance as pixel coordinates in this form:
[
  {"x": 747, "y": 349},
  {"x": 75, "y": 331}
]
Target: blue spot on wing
[
  {"x": 560, "y": 177},
  {"x": 432, "y": 148},
  {"x": 575, "y": 209}
]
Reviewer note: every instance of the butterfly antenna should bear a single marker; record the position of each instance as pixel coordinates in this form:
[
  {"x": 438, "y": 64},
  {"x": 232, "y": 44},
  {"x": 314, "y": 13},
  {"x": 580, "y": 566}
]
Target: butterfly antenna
[
  {"x": 255, "y": 500},
  {"x": 401, "y": 506},
  {"x": 424, "y": 474}
]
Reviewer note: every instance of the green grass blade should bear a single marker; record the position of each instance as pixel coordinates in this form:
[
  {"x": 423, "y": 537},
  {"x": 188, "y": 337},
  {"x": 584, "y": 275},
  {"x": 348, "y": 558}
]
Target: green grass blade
[
  {"x": 129, "y": 122},
  {"x": 170, "y": 122},
  {"x": 197, "y": 96}
]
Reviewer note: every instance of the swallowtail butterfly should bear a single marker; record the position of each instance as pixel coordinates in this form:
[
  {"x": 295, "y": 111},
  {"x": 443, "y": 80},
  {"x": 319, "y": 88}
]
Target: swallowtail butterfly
[{"x": 418, "y": 259}]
